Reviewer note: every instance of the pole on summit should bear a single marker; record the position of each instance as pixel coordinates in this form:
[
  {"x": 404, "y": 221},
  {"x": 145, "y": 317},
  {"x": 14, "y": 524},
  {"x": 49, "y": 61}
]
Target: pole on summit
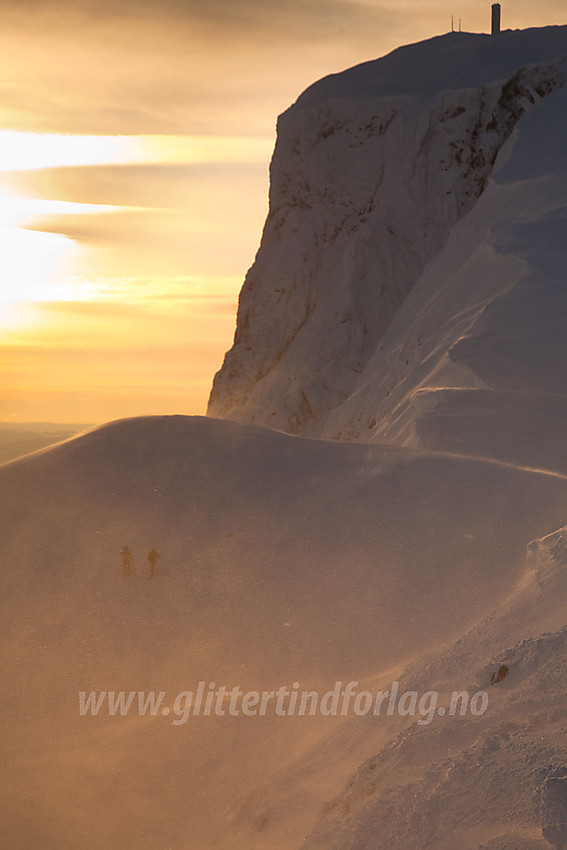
[{"x": 496, "y": 9}]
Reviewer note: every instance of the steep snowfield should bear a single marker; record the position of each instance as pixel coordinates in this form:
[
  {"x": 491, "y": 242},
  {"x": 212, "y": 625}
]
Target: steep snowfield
[
  {"x": 392, "y": 234},
  {"x": 282, "y": 560},
  {"x": 475, "y": 360}
]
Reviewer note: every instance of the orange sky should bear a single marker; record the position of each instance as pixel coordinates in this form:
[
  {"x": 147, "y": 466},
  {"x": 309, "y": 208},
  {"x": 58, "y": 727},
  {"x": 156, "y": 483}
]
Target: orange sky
[{"x": 121, "y": 259}]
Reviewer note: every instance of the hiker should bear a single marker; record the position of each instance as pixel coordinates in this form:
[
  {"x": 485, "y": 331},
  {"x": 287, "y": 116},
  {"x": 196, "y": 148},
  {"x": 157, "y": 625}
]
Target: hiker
[
  {"x": 152, "y": 558},
  {"x": 127, "y": 559}
]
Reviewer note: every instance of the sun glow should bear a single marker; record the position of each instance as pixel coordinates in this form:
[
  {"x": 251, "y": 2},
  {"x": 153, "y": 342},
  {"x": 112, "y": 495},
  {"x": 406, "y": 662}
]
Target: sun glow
[
  {"x": 29, "y": 264},
  {"x": 15, "y": 212},
  {"x": 96, "y": 300},
  {"x": 32, "y": 261},
  {"x": 32, "y": 151}
]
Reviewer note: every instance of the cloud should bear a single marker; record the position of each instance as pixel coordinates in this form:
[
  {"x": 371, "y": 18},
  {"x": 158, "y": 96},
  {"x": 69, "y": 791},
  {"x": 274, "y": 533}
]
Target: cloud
[
  {"x": 201, "y": 66},
  {"x": 222, "y": 19},
  {"x": 234, "y": 23},
  {"x": 206, "y": 218},
  {"x": 174, "y": 67},
  {"x": 166, "y": 186}
]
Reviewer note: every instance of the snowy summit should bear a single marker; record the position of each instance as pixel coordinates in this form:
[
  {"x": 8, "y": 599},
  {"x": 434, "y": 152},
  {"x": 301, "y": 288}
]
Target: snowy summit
[{"x": 416, "y": 216}]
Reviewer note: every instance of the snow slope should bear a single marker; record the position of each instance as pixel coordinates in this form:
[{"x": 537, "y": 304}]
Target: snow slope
[
  {"x": 395, "y": 252},
  {"x": 497, "y": 781},
  {"x": 22, "y": 438},
  {"x": 475, "y": 359},
  {"x": 282, "y": 559}
]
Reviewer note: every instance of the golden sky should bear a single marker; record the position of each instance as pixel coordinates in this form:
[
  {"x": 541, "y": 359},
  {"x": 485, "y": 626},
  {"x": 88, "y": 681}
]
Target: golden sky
[{"x": 135, "y": 139}]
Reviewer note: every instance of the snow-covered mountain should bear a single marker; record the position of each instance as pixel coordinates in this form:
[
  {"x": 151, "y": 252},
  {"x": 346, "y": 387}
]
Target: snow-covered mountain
[
  {"x": 414, "y": 253},
  {"x": 409, "y": 299}
]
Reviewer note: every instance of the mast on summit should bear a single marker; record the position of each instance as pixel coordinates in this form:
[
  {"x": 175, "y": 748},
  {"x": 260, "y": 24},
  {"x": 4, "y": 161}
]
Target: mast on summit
[{"x": 495, "y": 29}]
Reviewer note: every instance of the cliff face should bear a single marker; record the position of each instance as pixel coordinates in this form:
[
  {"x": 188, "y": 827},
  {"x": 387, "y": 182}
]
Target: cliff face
[{"x": 372, "y": 171}]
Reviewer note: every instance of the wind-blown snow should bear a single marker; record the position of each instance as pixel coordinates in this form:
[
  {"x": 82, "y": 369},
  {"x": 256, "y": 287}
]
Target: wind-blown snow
[
  {"x": 496, "y": 781},
  {"x": 282, "y": 559},
  {"x": 408, "y": 301}
]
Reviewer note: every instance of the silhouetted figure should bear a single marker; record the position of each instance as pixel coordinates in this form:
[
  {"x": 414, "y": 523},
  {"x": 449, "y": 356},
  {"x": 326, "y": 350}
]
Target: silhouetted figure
[
  {"x": 127, "y": 559},
  {"x": 152, "y": 558}
]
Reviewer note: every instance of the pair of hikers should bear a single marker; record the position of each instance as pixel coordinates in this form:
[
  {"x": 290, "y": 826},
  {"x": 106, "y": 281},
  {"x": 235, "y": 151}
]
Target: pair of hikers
[{"x": 127, "y": 558}]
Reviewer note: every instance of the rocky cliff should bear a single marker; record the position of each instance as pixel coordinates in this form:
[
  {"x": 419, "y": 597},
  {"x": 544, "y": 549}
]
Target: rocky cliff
[{"x": 378, "y": 174}]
